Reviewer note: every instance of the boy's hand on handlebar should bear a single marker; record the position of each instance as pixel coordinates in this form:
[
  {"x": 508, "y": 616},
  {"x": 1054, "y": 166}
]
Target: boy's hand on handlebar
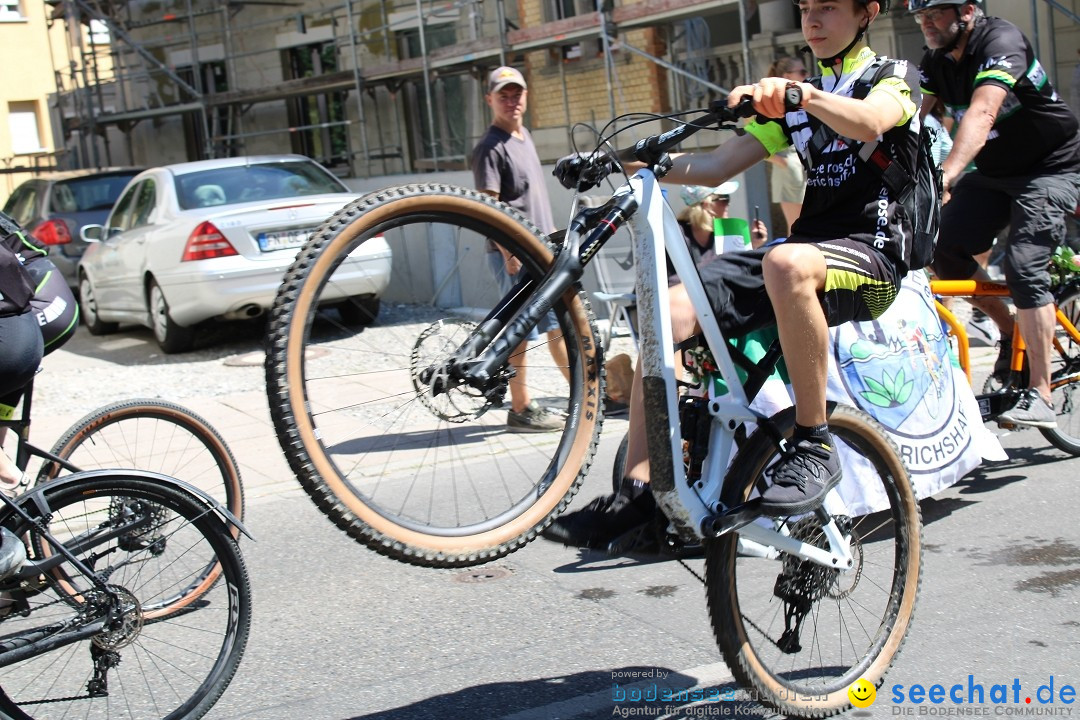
[
  {"x": 770, "y": 96},
  {"x": 583, "y": 172}
]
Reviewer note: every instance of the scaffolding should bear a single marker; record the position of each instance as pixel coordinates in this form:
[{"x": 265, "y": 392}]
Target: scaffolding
[{"x": 378, "y": 81}]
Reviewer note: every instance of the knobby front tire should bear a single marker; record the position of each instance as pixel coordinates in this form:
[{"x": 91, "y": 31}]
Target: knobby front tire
[
  {"x": 855, "y": 622},
  {"x": 424, "y": 477},
  {"x": 150, "y": 541}
]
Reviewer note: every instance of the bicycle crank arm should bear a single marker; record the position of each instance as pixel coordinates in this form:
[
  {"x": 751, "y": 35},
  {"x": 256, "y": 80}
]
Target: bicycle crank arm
[{"x": 732, "y": 519}]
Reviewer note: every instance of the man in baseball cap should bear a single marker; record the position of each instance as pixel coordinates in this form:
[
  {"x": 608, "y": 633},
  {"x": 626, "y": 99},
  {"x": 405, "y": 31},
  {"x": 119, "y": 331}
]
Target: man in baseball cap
[{"x": 503, "y": 76}]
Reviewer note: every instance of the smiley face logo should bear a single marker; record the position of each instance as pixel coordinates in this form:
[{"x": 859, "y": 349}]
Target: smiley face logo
[{"x": 862, "y": 693}]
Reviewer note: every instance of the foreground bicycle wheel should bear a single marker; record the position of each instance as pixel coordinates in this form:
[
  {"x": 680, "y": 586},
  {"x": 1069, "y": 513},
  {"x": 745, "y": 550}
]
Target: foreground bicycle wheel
[
  {"x": 149, "y": 541},
  {"x": 1065, "y": 379},
  {"x": 798, "y": 634},
  {"x": 429, "y": 478},
  {"x": 157, "y": 436}
]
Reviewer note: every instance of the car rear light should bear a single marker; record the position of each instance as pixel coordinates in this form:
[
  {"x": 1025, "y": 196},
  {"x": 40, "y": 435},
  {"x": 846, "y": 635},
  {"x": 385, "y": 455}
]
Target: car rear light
[
  {"x": 206, "y": 242},
  {"x": 52, "y": 232}
]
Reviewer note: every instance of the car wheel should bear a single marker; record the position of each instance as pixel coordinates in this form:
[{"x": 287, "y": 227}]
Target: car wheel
[
  {"x": 359, "y": 311},
  {"x": 171, "y": 338},
  {"x": 89, "y": 310}
]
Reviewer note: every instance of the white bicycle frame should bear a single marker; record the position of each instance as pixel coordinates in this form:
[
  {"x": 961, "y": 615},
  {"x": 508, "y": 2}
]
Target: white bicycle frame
[{"x": 688, "y": 508}]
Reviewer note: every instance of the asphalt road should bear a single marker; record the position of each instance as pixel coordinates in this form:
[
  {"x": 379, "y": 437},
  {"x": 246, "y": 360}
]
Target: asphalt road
[{"x": 342, "y": 633}]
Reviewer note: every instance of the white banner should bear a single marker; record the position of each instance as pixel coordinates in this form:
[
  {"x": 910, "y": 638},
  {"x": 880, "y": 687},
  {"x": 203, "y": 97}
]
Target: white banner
[{"x": 897, "y": 369}]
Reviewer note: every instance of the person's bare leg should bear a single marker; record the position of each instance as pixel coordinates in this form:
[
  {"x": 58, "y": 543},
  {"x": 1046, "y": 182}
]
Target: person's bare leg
[
  {"x": 996, "y": 308},
  {"x": 1036, "y": 326},
  {"x": 683, "y": 325},
  {"x": 557, "y": 347},
  {"x": 791, "y": 213},
  {"x": 519, "y": 388},
  {"x": 794, "y": 275},
  {"x": 10, "y": 474}
]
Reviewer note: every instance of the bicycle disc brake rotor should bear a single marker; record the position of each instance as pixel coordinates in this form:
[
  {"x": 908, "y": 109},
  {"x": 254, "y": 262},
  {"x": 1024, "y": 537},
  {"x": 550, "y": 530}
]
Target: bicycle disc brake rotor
[
  {"x": 433, "y": 348},
  {"x": 126, "y": 619}
]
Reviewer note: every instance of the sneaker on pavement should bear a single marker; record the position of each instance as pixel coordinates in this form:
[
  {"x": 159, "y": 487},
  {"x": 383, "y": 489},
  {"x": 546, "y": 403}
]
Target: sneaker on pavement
[
  {"x": 1030, "y": 411},
  {"x": 534, "y": 419},
  {"x": 602, "y": 521},
  {"x": 12, "y": 553},
  {"x": 801, "y": 479},
  {"x": 981, "y": 330}
]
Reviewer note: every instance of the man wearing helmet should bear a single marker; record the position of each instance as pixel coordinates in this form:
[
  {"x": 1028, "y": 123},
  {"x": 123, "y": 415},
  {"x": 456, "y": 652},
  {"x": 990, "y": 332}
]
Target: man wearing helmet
[
  {"x": 1024, "y": 142},
  {"x": 843, "y": 261}
]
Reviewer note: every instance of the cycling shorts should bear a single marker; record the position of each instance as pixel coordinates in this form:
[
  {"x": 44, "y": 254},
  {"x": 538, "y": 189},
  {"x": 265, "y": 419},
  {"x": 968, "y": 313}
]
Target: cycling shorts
[
  {"x": 860, "y": 284},
  {"x": 1033, "y": 207}
]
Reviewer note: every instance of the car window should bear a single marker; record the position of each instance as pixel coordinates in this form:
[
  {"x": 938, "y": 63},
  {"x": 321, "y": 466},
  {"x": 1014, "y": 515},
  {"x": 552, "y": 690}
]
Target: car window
[
  {"x": 144, "y": 204},
  {"x": 121, "y": 214},
  {"x": 22, "y": 204},
  {"x": 96, "y": 192},
  {"x": 250, "y": 183}
]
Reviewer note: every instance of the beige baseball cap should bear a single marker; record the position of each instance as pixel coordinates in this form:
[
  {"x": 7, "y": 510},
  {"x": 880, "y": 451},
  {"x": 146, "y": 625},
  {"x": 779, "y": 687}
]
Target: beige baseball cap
[{"x": 503, "y": 76}]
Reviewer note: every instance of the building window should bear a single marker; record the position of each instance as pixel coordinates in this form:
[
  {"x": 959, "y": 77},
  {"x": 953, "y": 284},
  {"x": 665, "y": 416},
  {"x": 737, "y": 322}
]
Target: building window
[
  {"x": 99, "y": 33},
  {"x": 562, "y": 10},
  {"x": 11, "y": 11},
  {"x": 321, "y": 120},
  {"x": 24, "y": 127}
]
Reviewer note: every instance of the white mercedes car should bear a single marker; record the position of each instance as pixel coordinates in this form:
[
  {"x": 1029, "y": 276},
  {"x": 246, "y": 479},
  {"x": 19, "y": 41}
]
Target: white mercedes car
[{"x": 211, "y": 240}]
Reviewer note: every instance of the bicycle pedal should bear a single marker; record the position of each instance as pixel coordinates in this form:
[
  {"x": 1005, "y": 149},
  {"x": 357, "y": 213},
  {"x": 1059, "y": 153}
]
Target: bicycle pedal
[{"x": 629, "y": 541}]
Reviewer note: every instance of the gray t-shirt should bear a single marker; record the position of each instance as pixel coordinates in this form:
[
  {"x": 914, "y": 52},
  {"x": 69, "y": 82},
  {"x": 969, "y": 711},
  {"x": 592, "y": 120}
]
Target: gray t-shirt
[{"x": 509, "y": 166}]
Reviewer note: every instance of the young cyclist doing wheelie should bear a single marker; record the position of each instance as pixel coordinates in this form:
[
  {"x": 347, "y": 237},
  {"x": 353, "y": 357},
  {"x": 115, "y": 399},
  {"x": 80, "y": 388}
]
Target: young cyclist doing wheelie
[{"x": 844, "y": 259}]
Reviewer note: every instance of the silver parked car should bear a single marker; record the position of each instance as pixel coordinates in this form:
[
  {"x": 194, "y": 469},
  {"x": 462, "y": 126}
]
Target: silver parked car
[{"x": 206, "y": 240}]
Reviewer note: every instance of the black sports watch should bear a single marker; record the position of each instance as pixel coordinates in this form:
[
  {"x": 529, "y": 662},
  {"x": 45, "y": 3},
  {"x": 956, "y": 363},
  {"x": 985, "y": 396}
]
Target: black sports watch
[{"x": 793, "y": 97}]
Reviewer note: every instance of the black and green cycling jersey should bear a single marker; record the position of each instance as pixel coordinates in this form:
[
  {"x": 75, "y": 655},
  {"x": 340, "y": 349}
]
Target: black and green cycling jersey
[
  {"x": 1035, "y": 131},
  {"x": 844, "y": 197}
]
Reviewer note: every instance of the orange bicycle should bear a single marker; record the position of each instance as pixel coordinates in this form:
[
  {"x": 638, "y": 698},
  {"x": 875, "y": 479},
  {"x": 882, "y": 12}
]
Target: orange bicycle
[{"x": 1000, "y": 394}]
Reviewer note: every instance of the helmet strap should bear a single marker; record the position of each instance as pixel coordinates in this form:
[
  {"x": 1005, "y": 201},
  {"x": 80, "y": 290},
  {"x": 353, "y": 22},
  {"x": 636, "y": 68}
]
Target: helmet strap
[{"x": 839, "y": 57}]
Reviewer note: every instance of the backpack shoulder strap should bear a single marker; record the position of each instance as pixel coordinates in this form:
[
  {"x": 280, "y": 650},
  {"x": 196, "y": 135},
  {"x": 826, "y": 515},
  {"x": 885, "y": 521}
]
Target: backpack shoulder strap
[{"x": 823, "y": 135}]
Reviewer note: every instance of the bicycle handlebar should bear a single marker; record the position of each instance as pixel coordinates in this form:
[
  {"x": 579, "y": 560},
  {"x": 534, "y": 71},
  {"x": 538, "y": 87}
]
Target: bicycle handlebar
[{"x": 651, "y": 149}]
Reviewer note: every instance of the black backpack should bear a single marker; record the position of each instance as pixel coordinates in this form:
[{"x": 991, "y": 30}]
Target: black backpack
[{"x": 918, "y": 190}]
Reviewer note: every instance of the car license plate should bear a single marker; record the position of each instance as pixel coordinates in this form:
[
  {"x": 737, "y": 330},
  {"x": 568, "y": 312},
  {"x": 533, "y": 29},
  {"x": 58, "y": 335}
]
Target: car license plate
[{"x": 271, "y": 241}]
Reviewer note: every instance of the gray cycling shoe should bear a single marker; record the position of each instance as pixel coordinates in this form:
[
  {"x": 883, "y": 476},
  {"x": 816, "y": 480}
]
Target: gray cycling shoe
[{"x": 12, "y": 553}]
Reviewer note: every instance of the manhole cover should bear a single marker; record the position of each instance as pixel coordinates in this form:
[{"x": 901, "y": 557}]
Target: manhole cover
[{"x": 482, "y": 575}]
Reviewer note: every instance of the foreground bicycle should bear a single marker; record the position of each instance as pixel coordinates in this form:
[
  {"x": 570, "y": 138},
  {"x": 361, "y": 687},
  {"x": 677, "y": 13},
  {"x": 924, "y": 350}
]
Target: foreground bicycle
[
  {"x": 398, "y": 447},
  {"x": 999, "y": 396},
  {"x": 116, "y": 614}
]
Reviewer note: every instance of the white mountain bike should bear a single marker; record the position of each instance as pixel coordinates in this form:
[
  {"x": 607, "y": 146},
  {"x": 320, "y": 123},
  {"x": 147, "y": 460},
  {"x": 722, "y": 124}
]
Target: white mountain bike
[{"x": 389, "y": 430}]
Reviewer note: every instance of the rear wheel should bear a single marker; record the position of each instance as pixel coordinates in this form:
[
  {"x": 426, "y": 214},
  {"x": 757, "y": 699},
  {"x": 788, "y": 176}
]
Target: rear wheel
[
  {"x": 171, "y": 338},
  {"x": 159, "y": 437},
  {"x": 429, "y": 477},
  {"x": 149, "y": 542},
  {"x": 799, "y": 634},
  {"x": 153, "y": 435},
  {"x": 1065, "y": 379}
]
